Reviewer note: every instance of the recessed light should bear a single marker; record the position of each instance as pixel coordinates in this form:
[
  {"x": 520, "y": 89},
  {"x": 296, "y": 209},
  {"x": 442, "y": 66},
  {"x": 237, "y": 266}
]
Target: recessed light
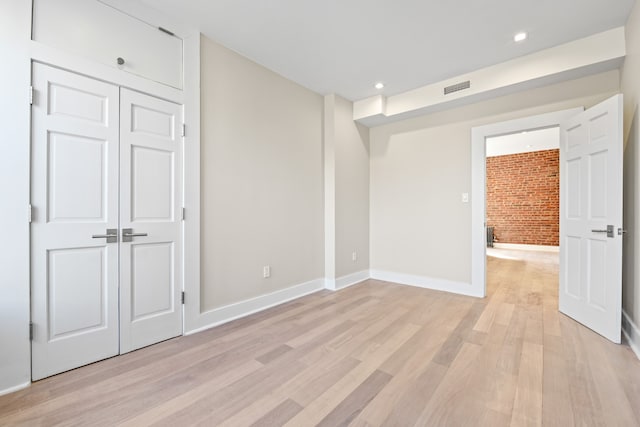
[
  {"x": 520, "y": 37},
  {"x": 379, "y": 85}
]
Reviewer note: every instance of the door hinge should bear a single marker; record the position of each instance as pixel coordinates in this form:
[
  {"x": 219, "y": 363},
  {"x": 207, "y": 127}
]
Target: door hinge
[
  {"x": 182, "y": 297},
  {"x": 30, "y": 95},
  {"x": 182, "y": 214},
  {"x": 184, "y": 129},
  {"x": 30, "y": 331},
  {"x": 30, "y": 213}
]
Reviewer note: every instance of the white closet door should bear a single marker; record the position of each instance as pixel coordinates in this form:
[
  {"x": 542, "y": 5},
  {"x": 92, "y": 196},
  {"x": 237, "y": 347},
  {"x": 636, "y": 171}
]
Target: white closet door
[
  {"x": 150, "y": 204},
  {"x": 75, "y": 198}
]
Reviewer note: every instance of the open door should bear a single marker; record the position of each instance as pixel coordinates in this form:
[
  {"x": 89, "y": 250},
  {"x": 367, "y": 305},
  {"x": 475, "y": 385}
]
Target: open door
[{"x": 591, "y": 218}]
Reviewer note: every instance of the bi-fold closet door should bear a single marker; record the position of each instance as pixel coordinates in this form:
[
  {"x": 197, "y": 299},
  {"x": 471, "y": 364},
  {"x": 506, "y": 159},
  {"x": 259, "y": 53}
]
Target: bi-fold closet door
[{"x": 106, "y": 239}]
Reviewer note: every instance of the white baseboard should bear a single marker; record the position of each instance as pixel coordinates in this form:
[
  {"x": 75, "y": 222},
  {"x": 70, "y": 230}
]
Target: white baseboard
[
  {"x": 515, "y": 246},
  {"x": 631, "y": 333},
  {"x": 14, "y": 388},
  {"x": 428, "y": 283},
  {"x": 346, "y": 281},
  {"x": 218, "y": 316}
]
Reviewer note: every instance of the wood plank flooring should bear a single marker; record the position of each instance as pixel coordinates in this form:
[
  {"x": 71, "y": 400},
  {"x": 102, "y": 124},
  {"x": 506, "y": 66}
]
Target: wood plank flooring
[{"x": 375, "y": 354}]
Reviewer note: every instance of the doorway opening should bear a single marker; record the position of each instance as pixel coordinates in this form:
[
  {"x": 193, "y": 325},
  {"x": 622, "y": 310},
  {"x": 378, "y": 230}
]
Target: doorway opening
[
  {"x": 523, "y": 210},
  {"x": 523, "y": 190},
  {"x": 479, "y": 138}
]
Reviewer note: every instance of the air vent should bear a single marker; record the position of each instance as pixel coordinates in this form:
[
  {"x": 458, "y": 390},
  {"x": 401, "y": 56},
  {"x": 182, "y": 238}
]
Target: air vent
[{"x": 457, "y": 87}]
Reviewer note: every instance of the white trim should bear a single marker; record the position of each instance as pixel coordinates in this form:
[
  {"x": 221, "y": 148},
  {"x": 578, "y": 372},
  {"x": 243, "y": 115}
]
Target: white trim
[
  {"x": 427, "y": 283},
  {"x": 330, "y": 284},
  {"x": 478, "y": 211},
  {"x": 15, "y": 356},
  {"x": 478, "y": 182},
  {"x": 218, "y": 316},
  {"x": 346, "y": 281},
  {"x": 14, "y": 388},
  {"x": 191, "y": 193},
  {"x": 631, "y": 332},
  {"x": 519, "y": 247}
]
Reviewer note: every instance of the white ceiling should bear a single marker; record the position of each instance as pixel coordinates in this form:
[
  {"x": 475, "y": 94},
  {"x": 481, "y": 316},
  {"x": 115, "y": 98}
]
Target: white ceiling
[
  {"x": 524, "y": 142},
  {"x": 345, "y": 46}
]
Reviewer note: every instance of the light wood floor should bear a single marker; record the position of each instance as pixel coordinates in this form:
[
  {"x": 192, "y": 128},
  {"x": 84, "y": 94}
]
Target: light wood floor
[{"x": 373, "y": 354}]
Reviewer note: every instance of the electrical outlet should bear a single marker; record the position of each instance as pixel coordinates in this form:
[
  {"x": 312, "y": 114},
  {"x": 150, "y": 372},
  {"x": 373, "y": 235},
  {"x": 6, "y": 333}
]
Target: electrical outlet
[
  {"x": 266, "y": 271},
  {"x": 354, "y": 256}
]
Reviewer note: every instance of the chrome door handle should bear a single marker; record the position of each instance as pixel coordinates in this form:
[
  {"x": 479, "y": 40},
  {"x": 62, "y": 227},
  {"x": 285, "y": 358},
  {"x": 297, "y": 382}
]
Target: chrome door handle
[
  {"x": 128, "y": 234},
  {"x": 111, "y": 236},
  {"x": 609, "y": 231}
]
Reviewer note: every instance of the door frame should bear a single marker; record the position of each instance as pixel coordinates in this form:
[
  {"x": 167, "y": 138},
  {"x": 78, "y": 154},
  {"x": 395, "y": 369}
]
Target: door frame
[{"x": 479, "y": 137}]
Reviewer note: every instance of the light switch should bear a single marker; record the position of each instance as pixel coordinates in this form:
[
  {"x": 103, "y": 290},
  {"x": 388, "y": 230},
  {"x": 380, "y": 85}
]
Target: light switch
[{"x": 465, "y": 197}]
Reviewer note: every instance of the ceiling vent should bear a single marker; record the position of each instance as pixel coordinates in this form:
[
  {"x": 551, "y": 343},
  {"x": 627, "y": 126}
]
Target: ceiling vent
[{"x": 457, "y": 87}]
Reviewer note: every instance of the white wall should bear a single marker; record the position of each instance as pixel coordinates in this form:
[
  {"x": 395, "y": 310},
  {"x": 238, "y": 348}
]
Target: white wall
[
  {"x": 262, "y": 188},
  {"x": 352, "y": 191},
  {"x": 420, "y": 168},
  {"x": 418, "y": 224},
  {"x": 15, "y": 27},
  {"x": 631, "y": 248}
]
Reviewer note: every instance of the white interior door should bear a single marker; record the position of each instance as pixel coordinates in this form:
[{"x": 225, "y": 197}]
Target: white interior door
[
  {"x": 591, "y": 217},
  {"x": 150, "y": 203},
  {"x": 104, "y": 161},
  {"x": 75, "y": 199}
]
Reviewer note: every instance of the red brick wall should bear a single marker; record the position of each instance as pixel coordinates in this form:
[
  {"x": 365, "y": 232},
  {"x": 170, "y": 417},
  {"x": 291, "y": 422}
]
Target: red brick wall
[{"x": 523, "y": 199}]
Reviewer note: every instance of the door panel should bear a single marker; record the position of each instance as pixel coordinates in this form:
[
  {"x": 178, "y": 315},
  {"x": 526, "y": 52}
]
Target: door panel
[
  {"x": 75, "y": 196},
  {"x": 591, "y": 200},
  {"x": 152, "y": 194},
  {"x": 573, "y": 205},
  {"x": 76, "y": 103},
  {"x": 597, "y": 185},
  {"x": 150, "y": 198},
  {"x": 156, "y": 124},
  {"x": 597, "y": 298},
  {"x": 77, "y": 287},
  {"x": 152, "y": 281},
  {"x": 573, "y": 266},
  {"x": 77, "y": 165}
]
